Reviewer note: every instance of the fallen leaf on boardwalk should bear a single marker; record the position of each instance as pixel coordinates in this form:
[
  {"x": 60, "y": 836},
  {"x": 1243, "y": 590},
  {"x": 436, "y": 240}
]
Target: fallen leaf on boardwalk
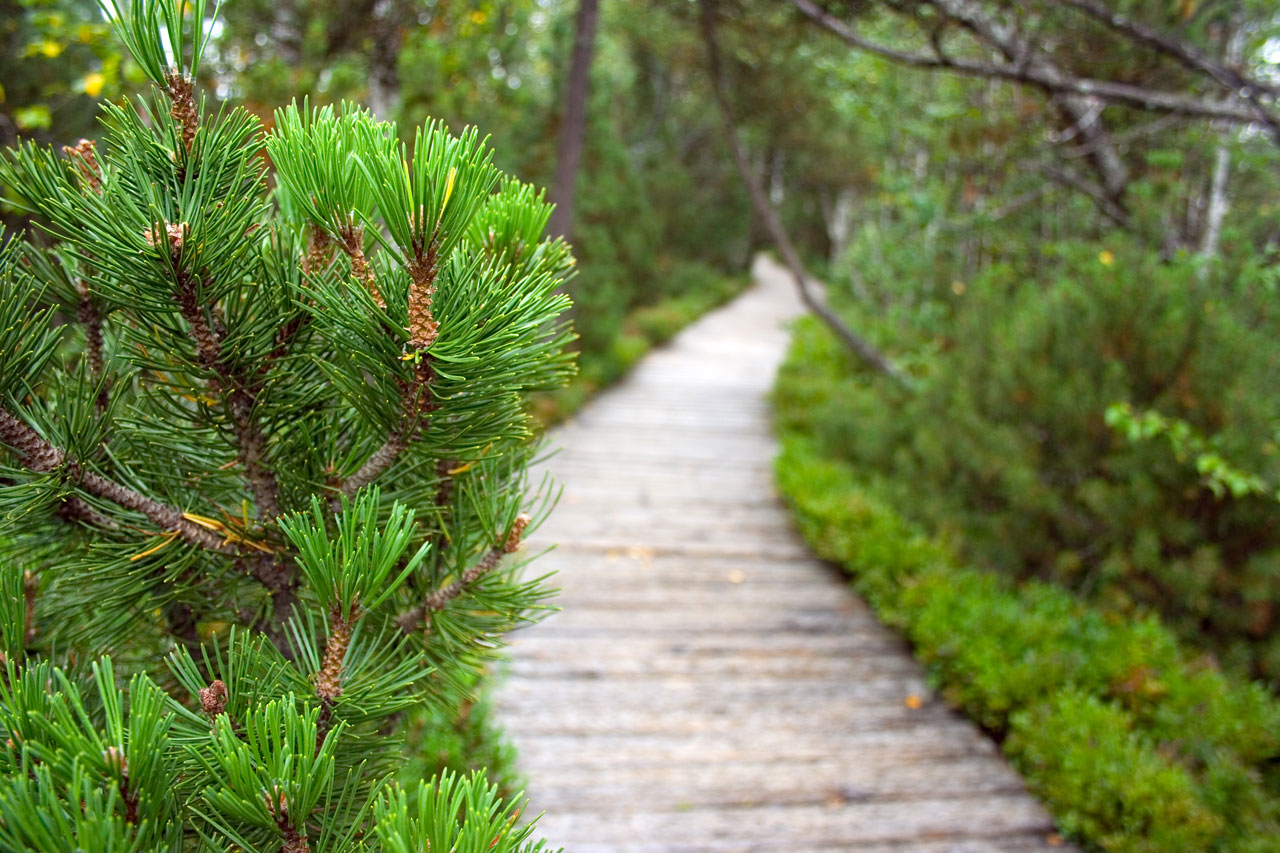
[
  {"x": 612, "y": 555},
  {"x": 736, "y": 576},
  {"x": 913, "y": 701},
  {"x": 639, "y": 552},
  {"x": 1054, "y": 840}
]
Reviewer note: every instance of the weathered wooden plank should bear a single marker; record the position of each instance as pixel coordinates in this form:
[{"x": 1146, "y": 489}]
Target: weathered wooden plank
[
  {"x": 796, "y": 827},
  {"x": 881, "y": 665},
  {"x": 709, "y": 685},
  {"x": 673, "y": 694},
  {"x": 1017, "y": 843},
  {"x": 591, "y": 752},
  {"x": 778, "y": 781}
]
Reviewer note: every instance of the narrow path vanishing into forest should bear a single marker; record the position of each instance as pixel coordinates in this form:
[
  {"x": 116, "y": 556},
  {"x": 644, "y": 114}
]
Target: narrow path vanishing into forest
[{"x": 710, "y": 685}]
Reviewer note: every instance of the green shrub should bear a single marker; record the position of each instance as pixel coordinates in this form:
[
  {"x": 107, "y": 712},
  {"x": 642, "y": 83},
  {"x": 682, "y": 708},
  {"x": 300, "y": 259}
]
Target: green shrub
[
  {"x": 1134, "y": 744},
  {"x": 1006, "y": 449},
  {"x": 1117, "y": 789},
  {"x": 263, "y": 440}
]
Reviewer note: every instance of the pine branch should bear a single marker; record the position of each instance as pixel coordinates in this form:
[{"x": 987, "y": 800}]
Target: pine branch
[
  {"x": 423, "y": 328},
  {"x": 352, "y": 243},
  {"x": 213, "y": 701},
  {"x": 319, "y": 251},
  {"x": 88, "y": 315},
  {"x": 329, "y": 679},
  {"x": 41, "y": 457},
  {"x": 436, "y": 601},
  {"x": 417, "y": 405},
  {"x": 423, "y": 269},
  {"x": 75, "y": 509},
  {"x": 240, "y": 398},
  {"x": 84, "y": 156},
  {"x": 295, "y": 840}
]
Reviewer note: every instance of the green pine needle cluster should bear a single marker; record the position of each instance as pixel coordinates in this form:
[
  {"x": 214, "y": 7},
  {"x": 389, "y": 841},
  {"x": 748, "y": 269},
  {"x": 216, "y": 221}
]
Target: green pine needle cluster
[{"x": 264, "y": 451}]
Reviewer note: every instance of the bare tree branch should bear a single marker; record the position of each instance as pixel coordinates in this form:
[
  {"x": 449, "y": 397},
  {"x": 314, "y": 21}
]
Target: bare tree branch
[
  {"x": 1083, "y": 113},
  {"x": 1232, "y": 79},
  {"x": 1110, "y": 91},
  {"x": 1109, "y": 208}
]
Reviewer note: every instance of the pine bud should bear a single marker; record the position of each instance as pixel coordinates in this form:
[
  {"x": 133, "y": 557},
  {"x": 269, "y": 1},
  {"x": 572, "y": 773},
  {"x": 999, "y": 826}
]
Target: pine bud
[
  {"x": 116, "y": 762},
  {"x": 517, "y": 531},
  {"x": 84, "y": 155},
  {"x": 213, "y": 699}
]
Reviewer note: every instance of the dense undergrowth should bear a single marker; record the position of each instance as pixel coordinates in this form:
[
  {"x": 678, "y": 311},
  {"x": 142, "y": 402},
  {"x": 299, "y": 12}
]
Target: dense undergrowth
[
  {"x": 1006, "y": 446},
  {"x": 1135, "y": 742}
]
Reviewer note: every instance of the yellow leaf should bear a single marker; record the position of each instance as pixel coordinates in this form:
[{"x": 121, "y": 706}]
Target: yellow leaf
[
  {"x": 913, "y": 702},
  {"x": 50, "y": 48},
  {"x": 93, "y": 84},
  {"x": 1106, "y": 258},
  {"x": 1, "y": 93},
  {"x": 478, "y": 17}
]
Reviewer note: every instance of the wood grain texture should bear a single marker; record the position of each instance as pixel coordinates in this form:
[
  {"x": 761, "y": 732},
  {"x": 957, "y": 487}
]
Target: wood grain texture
[{"x": 710, "y": 686}]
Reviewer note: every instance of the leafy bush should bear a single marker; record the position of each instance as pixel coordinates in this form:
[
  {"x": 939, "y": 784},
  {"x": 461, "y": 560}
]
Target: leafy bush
[
  {"x": 1006, "y": 448},
  {"x": 1135, "y": 744}
]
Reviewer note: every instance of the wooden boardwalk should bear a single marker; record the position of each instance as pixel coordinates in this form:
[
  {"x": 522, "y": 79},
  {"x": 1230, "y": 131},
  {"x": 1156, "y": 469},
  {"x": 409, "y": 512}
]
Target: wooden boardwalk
[{"x": 709, "y": 685}]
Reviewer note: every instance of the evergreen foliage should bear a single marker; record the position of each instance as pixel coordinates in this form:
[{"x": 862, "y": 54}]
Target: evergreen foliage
[
  {"x": 1133, "y": 743},
  {"x": 264, "y": 451},
  {"x": 1019, "y": 446}
]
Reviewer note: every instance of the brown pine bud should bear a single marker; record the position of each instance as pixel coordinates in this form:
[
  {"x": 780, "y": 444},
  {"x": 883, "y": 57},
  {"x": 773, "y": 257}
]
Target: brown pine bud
[
  {"x": 213, "y": 699},
  {"x": 517, "y": 531}
]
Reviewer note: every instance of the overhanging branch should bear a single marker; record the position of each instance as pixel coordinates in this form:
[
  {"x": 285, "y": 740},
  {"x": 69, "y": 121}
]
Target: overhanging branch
[{"x": 1233, "y": 110}]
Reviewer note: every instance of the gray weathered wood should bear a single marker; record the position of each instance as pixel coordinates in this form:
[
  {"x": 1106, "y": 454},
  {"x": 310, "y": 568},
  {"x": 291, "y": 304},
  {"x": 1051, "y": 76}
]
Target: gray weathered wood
[{"x": 710, "y": 686}]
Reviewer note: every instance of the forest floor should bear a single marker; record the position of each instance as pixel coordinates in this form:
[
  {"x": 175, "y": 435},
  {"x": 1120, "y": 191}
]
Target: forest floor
[{"x": 710, "y": 685}]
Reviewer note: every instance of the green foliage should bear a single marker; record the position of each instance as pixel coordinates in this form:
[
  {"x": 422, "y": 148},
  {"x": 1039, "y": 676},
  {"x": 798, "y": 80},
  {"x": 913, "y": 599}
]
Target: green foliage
[
  {"x": 181, "y": 44},
  {"x": 59, "y": 57},
  {"x": 1130, "y": 799},
  {"x": 207, "y": 469},
  {"x": 354, "y": 571},
  {"x": 432, "y": 825},
  {"x": 1133, "y": 745},
  {"x": 1007, "y": 446},
  {"x": 1219, "y": 475}
]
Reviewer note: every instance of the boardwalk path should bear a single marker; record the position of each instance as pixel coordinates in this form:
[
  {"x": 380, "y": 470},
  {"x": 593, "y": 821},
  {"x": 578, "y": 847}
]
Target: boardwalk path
[{"x": 710, "y": 686}]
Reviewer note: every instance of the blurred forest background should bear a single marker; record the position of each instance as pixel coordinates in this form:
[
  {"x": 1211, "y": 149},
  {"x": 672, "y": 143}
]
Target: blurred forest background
[{"x": 1079, "y": 282}]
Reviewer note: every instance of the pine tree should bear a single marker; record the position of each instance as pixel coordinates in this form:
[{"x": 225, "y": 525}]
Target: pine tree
[{"x": 263, "y": 456}]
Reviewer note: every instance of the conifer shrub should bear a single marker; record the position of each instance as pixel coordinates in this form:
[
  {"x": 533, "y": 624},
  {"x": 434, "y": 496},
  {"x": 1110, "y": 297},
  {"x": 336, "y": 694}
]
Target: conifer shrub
[
  {"x": 1134, "y": 742},
  {"x": 263, "y": 468},
  {"x": 1008, "y": 448}
]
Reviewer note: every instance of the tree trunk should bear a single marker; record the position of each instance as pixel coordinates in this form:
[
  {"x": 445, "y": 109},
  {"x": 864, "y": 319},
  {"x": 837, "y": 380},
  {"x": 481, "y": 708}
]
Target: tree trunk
[
  {"x": 1218, "y": 200},
  {"x": 574, "y": 126},
  {"x": 384, "y": 77}
]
